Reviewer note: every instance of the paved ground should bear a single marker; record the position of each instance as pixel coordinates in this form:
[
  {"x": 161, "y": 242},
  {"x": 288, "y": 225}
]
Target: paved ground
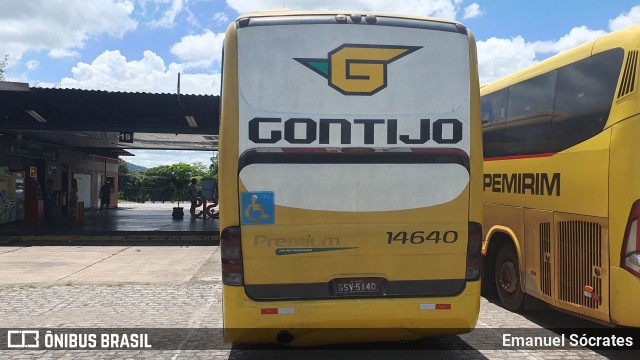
[
  {"x": 139, "y": 263},
  {"x": 178, "y": 287}
]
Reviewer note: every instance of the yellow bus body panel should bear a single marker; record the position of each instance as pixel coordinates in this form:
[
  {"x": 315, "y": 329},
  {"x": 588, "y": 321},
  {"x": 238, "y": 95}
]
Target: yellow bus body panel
[
  {"x": 228, "y": 159},
  {"x": 366, "y": 253},
  {"x": 624, "y": 191},
  {"x": 584, "y": 175},
  {"x": 599, "y": 185},
  {"x": 624, "y": 294},
  {"x": 348, "y": 321}
]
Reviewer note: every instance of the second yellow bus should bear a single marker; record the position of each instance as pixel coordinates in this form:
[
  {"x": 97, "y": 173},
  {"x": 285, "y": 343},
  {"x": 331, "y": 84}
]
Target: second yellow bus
[{"x": 562, "y": 197}]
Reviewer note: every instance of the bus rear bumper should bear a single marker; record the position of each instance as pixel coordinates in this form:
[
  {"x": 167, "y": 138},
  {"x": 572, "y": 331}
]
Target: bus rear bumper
[
  {"x": 624, "y": 299},
  {"x": 316, "y": 322}
]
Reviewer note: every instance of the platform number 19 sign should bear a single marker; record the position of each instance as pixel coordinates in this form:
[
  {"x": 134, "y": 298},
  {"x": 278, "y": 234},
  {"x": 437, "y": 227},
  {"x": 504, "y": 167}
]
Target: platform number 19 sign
[{"x": 125, "y": 137}]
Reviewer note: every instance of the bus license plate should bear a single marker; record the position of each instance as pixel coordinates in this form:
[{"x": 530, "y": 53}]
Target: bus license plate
[{"x": 357, "y": 286}]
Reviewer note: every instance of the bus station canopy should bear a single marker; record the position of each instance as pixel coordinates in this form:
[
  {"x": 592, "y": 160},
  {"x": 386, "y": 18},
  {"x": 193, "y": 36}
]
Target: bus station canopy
[{"x": 107, "y": 123}]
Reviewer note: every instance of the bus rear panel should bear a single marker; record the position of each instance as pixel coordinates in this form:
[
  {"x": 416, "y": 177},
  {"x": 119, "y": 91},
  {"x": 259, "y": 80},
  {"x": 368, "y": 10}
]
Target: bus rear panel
[{"x": 346, "y": 179}]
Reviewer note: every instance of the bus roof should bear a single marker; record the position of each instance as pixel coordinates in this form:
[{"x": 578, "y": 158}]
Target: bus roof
[
  {"x": 625, "y": 38},
  {"x": 288, "y": 12}
]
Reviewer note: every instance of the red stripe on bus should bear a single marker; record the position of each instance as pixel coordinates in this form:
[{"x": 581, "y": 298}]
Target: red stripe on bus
[
  {"x": 268, "y": 311},
  {"x": 443, "y": 306},
  {"x": 637, "y": 237},
  {"x": 439, "y": 151},
  {"x": 515, "y": 157},
  {"x": 305, "y": 150},
  {"x": 368, "y": 150}
]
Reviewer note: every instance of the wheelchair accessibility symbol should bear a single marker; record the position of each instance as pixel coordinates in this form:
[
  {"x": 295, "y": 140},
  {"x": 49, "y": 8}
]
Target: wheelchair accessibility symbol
[{"x": 258, "y": 208}]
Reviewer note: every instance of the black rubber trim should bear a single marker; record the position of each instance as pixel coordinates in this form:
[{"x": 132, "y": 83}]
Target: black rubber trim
[
  {"x": 433, "y": 156},
  {"x": 312, "y": 291},
  {"x": 331, "y": 19}
]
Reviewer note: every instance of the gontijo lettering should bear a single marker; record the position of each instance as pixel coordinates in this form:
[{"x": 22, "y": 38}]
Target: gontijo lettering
[
  {"x": 270, "y": 130},
  {"x": 523, "y": 183}
]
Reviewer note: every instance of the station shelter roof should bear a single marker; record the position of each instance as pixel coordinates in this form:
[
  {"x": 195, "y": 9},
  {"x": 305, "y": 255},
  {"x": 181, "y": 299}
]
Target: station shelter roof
[{"x": 108, "y": 123}]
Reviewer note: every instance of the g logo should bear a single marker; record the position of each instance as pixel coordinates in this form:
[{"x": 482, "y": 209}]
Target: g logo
[{"x": 354, "y": 69}]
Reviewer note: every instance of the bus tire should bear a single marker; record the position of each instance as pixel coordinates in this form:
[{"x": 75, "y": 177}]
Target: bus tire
[
  {"x": 507, "y": 278},
  {"x": 488, "y": 276}
]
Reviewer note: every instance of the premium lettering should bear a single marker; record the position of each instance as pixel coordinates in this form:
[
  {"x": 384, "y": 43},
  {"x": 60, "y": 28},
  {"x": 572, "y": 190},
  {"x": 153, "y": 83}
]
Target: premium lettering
[
  {"x": 306, "y": 241},
  {"x": 523, "y": 183}
]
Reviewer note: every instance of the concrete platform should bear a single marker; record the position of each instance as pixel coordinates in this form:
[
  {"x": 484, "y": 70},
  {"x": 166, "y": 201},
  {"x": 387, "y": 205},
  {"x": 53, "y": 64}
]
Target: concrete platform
[
  {"x": 143, "y": 263},
  {"x": 129, "y": 222}
]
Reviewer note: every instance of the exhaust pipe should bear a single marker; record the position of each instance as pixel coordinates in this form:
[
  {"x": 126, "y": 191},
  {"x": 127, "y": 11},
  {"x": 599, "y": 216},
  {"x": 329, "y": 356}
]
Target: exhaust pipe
[{"x": 284, "y": 337}]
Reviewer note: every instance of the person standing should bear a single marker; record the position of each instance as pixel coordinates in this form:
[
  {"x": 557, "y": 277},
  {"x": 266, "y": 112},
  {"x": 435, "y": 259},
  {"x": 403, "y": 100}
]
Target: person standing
[
  {"x": 49, "y": 198},
  {"x": 73, "y": 197},
  {"x": 193, "y": 196},
  {"x": 105, "y": 195}
]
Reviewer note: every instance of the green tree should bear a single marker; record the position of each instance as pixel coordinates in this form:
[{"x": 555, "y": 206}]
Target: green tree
[
  {"x": 200, "y": 168},
  {"x": 123, "y": 179},
  {"x": 3, "y": 65},
  {"x": 171, "y": 182},
  {"x": 213, "y": 168},
  {"x": 130, "y": 184}
]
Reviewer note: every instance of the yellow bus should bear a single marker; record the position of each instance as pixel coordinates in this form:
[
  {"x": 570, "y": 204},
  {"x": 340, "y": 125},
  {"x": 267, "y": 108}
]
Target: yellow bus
[
  {"x": 561, "y": 193},
  {"x": 350, "y": 178}
]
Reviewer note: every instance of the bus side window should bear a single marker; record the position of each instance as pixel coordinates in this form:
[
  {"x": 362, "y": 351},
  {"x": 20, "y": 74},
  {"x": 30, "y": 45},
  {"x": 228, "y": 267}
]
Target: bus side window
[
  {"x": 529, "y": 112},
  {"x": 494, "y": 109},
  {"x": 584, "y": 95}
]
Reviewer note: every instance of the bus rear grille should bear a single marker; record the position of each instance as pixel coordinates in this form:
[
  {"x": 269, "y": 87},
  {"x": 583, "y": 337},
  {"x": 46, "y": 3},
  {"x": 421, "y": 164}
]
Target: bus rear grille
[
  {"x": 545, "y": 258},
  {"x": 580, "y": 263},
  {"x": 628, "y": 84}
]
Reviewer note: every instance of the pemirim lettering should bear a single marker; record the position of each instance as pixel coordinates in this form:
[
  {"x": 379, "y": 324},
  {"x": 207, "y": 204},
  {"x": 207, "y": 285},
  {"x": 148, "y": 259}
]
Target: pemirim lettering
[{"x": 523, "y": 183}]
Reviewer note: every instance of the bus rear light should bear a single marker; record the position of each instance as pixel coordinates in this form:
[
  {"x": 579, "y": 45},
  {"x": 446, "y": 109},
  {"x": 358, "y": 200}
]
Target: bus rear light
[
  {"x": 474, "y": 252},
  {"x": 357, "y": 150},
  {"x": 630, "y": 252},
  {"x": 231, "y": 256}
]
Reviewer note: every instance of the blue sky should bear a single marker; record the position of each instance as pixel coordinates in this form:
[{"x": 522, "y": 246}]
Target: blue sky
[{"x": 141, "y": 45}]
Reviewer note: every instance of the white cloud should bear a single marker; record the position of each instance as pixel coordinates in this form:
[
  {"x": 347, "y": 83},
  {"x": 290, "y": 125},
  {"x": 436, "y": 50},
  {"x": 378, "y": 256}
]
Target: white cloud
[
  {"x": 625, "y": 19},
  {"x": 169, "y": 17},
  {"x": 33, "y": 65},
  {"x": 500, "y": 57},
  {"x": 37, "y": 25},
  {"x": 153, "y": 158},
  {"x": 199, "y": 50},
  {"x": 111, "y": 71},
  {"x": 63, "y": 53},
  {"x": 472, "y": 11},
  {"x": 447, "y": 9},
  {"x": 221, "y": 18},
  {"x": 575, "y": 37}
]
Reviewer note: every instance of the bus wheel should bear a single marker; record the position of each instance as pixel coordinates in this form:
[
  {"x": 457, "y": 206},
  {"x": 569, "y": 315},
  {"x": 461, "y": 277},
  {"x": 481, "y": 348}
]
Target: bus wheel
[{"x": 507, "y": 276}]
